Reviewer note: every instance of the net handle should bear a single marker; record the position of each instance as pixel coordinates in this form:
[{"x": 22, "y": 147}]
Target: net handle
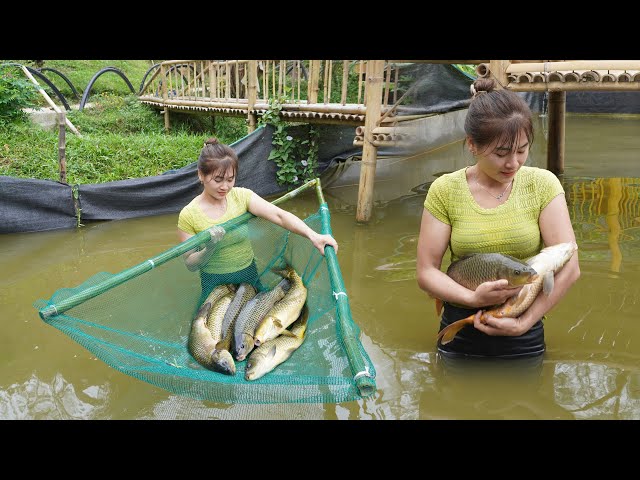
[{"x": 363, "y": 378}]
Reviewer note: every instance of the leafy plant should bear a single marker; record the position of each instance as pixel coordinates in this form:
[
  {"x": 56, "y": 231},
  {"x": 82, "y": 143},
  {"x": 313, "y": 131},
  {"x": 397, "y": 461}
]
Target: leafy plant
[
  {"x": 16, "y": 93},
  {"x": 295, "y": 157}
]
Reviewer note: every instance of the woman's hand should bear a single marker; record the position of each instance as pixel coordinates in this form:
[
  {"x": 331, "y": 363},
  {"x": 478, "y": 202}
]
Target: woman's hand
[
  {"x": 216, "y": 232},
  {"x": 503, "y": 326},
  {"x": 494, "y": 293},
  {"x": 320, "y": 241}
]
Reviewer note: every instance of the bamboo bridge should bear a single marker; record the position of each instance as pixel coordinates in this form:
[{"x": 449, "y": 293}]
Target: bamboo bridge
[{"x": 365, "y": 94}]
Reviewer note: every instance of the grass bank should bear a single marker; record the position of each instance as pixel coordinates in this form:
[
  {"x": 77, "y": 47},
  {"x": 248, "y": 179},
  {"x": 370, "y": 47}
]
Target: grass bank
[{"x": 121, "y": 138}]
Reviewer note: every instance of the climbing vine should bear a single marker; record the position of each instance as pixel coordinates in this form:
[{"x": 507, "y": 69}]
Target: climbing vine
[{"x": 295, "y": 156}]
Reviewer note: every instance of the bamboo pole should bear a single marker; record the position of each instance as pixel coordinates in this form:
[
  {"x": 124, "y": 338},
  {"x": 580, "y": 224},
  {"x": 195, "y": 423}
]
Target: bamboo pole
[
  {"x": 387, "y": 85},
  {"x": 555, "y": 142},
  {"x": 395, "y": 85},
  {"x": 575, "y": 65},
  {"x": 405, "y": 118},
  {"x": 498, "y": 70},
  {"x": 280, "y": 78},
  {"x": 237, "y": 79},
  {"x": 227, "y": 76},
  {"x": 299, "y": 79},
  {"x": 62, "y": 149},
  {"x": 610, "y": 85},
  {"x": 359, "y": 80},
  {"x": 325, "y": 85},
  {"x": 165, "y": 96},
  {"x": 328, "y": 99},
  {"x": 345, "y": 81},
  {"x": 48, "y": 99},
  {"x": 252, "y": 83},
  {"x": 373, "y": 96},
  {"x": 273, "y": 78}
]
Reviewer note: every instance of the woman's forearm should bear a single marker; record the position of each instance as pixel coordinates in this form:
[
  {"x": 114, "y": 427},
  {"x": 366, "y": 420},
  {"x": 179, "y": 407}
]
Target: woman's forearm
[{"x": 438, "y": 284}]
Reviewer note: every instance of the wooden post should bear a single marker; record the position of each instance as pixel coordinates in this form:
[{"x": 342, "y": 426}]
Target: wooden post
[
  {"x": 165, "y": 95},
  {"x": 498, "y": 70},
  {"x": 252, "y": 82},
  {"x": 314, "y": 80},
  {"x": 62, "y": 152},
  {"x": 555, "y": 143},
  {"x": 373, "y": 99}
]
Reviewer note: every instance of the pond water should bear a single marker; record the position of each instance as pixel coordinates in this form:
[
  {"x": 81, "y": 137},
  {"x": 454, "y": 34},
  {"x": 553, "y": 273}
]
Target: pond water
[{"x": 591, "y": 369}]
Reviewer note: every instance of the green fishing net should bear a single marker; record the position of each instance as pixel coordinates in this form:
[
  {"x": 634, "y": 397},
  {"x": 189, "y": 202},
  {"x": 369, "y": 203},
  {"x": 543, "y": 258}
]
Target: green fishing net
[{"x": 138, "y": 320}]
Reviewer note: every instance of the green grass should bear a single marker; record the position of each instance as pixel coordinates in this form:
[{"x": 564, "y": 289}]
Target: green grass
[{"x": 121, "y": 137}]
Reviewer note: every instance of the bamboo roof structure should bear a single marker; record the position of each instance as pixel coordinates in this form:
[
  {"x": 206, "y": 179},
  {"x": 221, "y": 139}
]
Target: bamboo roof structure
[{"x": 577, "y": 75}]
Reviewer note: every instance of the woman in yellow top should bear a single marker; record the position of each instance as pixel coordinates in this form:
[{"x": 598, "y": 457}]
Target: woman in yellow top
[
  {"x": 221, "y": 201},
  {"x": 496, "y": 205}
]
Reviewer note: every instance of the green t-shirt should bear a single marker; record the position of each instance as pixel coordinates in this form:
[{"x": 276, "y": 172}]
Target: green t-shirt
[
  {"x": 234, "y": 252},
  {"x": 511, "y": 228}
]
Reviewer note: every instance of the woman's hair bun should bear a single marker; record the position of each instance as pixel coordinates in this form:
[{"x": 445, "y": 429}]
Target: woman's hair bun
[{"x": 211, "y": 141}]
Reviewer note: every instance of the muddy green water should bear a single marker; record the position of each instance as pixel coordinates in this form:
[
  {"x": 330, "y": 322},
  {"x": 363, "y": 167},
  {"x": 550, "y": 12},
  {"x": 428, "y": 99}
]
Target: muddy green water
[{"x": 591, "y": 369}]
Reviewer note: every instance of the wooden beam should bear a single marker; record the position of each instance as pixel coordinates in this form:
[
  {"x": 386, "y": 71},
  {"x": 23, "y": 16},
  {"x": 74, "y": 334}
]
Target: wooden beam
[{"x": 555, "y": 142}]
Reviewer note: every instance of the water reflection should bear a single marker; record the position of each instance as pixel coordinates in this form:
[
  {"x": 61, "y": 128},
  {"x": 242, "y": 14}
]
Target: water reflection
[{"x": 36, "y": 399}]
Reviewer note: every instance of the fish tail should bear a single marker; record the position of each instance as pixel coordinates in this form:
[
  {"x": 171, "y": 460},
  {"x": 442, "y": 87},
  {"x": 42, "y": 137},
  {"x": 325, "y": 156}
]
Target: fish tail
[
  {"x": 439, "y": 305},
  {"x": 450, "y": 331}
]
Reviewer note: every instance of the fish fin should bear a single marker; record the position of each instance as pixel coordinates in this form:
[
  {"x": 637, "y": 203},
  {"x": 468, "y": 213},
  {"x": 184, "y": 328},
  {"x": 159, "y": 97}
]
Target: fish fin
[
  {"x": 278, "y": 324},
  {"x": 449, "y": 332},
  {"x": 271, "y": 353},
  {"x": 289, "y": 333},
  {"x": 203, "y": 311},
  {"x": 548, "y": 282},
  {"x": 439, "y": 305}
]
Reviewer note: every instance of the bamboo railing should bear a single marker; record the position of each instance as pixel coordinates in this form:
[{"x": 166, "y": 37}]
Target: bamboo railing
[{"x": 328, "y": 91}]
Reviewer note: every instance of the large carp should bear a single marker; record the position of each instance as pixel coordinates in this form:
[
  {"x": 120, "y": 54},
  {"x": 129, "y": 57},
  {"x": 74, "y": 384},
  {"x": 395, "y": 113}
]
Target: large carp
[
  {"x": 270, "y": 354},
  {"x": 476, "y": 268},
  {"x": 285, "y": 311},
  {"x": 220, "y": 360},
  {"x": 251, "y": 315},
  {"x": 546, "y": 263},
  {"x": 244, "y": 293},
  {"x": 202, "y": 344}
]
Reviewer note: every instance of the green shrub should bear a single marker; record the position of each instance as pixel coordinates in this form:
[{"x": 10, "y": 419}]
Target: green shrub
[{"x": 16, "y": 93}]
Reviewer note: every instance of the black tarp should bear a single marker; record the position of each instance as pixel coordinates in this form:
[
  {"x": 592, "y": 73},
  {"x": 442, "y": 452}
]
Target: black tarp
[{"x": 31, "y": 205}]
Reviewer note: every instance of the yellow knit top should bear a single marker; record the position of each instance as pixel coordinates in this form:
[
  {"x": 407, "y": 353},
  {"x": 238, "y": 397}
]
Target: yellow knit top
[
  {"x": 511, "y": 228},
  {"x": 234, "y": 252}
]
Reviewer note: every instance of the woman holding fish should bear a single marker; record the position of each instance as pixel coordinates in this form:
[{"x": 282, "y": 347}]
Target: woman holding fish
[
  {"x": 221, "y": 201},
  {"x": 497, "y": 205}
]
